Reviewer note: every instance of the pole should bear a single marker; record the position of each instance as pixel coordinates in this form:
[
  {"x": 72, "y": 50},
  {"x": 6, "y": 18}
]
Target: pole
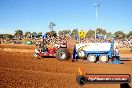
[
  {"x": 96, "y": 12},
  {"x": 97, "y": 5},
  {"x": 96, "y": 19}
]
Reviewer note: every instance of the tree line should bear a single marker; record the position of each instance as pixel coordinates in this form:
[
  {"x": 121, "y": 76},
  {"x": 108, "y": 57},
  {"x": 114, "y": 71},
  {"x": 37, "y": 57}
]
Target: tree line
[
  {"x": 90, "y": 33},
  {"x": 19, "y": 34}
]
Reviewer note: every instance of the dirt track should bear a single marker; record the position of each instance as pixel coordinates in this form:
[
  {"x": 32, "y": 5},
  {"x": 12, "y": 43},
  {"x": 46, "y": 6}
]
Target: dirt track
[{"x": 19, "y": 69}]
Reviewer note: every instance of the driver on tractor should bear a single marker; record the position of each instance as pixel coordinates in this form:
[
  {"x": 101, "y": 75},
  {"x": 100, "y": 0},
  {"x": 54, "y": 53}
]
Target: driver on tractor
[{"x": 42, "y": 47}]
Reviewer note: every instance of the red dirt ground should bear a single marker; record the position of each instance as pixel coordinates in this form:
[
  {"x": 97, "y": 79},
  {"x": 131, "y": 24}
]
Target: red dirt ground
[{"x": 19, "y": 69}]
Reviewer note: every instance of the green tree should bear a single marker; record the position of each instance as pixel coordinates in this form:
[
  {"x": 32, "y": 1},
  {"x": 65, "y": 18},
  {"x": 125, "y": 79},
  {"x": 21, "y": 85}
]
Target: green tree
[
  {"x": 1, "y": 36},
  {"x": 109, "y": 35},
  {"x": 51, "y": 33},
  {"x": 74, "y": 31},
  {"x": 119, "y": 35},
  {"x": 34, "y": 34},
  {"x": 18, "y": 33},
  {"x": 9, "y": 36},
  {"x": 100, "y": 31},
  {"x": 68, "y": 31},
  {"x": 64, "y": 32},
  {"x": 129, "y": 35},
  {"x": 90, "y": 33},
  {"x": 60, "y": 33},
  {"x": 27, "y": 34},
  {"x": 39, "y": 34},
  {"x": 13, "y": 36}
]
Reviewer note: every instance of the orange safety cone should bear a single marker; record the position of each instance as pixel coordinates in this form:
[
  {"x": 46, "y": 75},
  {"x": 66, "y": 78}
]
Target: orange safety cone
[{"x": 81, "y": 72}]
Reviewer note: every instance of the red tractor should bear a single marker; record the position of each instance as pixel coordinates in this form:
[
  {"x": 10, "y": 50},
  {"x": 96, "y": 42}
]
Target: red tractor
[{"x": 59, "y": 51}]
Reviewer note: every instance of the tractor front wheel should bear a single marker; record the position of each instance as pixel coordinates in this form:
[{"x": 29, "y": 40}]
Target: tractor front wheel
[{"x": 35, "y": 56}]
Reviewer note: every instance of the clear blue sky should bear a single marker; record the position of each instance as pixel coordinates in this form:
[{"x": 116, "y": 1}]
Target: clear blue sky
[{"x": 35, "y": 15}]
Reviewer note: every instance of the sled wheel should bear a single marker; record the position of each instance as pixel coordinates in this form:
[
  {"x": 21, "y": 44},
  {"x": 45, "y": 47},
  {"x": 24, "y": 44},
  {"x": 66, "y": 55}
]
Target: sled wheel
[
  {"x": 91, "y": 58},
  {"x": 103, "y": 58},
  {"x": 81, "y": 54}
]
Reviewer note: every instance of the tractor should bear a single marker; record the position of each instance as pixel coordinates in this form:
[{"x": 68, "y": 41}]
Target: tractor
[{"x": 59, "y": 50}]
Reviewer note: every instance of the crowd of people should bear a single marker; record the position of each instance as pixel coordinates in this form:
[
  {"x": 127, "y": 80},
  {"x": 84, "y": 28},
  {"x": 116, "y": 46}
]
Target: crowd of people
[
  {"x": 125, "y": 43},
  {"x": 65, "y": 38}
]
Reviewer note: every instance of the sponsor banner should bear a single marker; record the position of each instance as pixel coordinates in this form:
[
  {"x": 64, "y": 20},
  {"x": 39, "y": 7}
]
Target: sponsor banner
[{"x": 105, "y": 78}]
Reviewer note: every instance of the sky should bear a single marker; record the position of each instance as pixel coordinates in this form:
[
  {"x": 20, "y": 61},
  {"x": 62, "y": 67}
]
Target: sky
[{"x": 35, "y": 15}]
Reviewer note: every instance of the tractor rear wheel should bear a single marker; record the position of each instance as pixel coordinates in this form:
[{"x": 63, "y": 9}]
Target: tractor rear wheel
[
  {"x": 103, "y": 58},
  {"x": 62, "y": 54}
]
